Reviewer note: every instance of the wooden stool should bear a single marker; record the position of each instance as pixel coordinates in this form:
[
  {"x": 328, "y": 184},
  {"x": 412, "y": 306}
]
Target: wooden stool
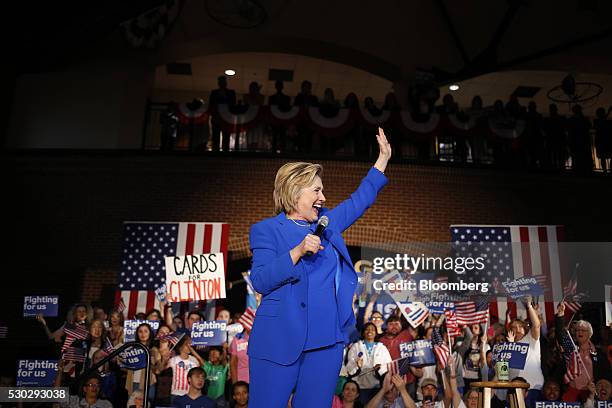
[{"x": 515, "y": 400}]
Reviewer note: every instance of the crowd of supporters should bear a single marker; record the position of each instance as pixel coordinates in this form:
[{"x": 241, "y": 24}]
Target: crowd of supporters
[
  {"x": 563, "y": 363},
  {"x": 503, "y": 134}
]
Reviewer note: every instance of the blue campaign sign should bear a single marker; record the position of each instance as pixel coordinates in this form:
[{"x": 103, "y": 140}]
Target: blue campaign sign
[
  {"x": 522, "y": 287},
  {"x": 555, "y": 404},
  {"x": 419, "y": 352},
  {"x": 603, "y": 404},
  {"x": 213, "y": 333},
  {"x": 439, "y": 307},
  {"x": 45, "y": 305},
  {"x": 514, "y": 353},
  {"x": 130, "y": 327},
  {"x": 133, "y": 358},
  {"x": 36, "y": 373}
]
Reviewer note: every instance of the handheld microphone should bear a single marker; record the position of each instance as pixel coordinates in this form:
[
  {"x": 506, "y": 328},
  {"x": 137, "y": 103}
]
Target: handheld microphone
[{"x": 321, "y": 225}]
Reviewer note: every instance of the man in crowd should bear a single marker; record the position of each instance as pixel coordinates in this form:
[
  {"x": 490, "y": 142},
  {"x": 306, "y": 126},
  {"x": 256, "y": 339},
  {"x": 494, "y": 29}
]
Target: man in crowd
[
  {"x": 194, "y": 398},
  {"x": 392, "y": 338},
  {"x": 240, "y": 394}
]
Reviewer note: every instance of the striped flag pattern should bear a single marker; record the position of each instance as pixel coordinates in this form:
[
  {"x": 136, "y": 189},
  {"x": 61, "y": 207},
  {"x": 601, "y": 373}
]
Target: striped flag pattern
[
  {"x": 172, "y": 338},
  {"x": 471, "y": 313},
  {"x": 452, "y": 327},
  {"x": 571, "y": 357},
  {"x": 415, "y": 313},
  {"x": 247, "y": 318},
  {"x": 145, "y": 244},
  {"x": 440, "y": 348},
  {"x": 73, "y": 332},
  {"x": 569, "y": 294},
  {"x": 399, "y": 366},
  {"x": 512, "y": 252}
]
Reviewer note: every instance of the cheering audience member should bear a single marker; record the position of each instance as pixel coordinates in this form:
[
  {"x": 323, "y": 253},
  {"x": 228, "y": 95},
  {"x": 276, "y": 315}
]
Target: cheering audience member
[
  {"x": 193, "y": 398},
  {"x": 136, "y": 400},
  {"x": 601, "y": 391},
  {"x": 80, "y": 314},
  {"x": 187, "y": 359},
  {"x": 216, "y": 371},
  {"x": 551, "y": 391},
  {"x": 393, "y": 394},
  {"x": 374, "y": 316},
  {"x": 240, "y": 394},
  {"x": 115, "y": 332},
  {"x": 520, "y": 332},
  {"x": 472, "y": 362},
  {"x": 349, "y": 397},
  {"x": 392, "y": 338},
  {"x": 89, "y": 395},
  {"x": 470, "y": 398},
  {"x": 366, "y": 359},
  {"x": 97, "y": 337},
  {"x": 144, "y": 335},
  {"x": 593, "y": 362},
  {"x": 239, "y": 360},
  {"x": 154, "y": 315}
]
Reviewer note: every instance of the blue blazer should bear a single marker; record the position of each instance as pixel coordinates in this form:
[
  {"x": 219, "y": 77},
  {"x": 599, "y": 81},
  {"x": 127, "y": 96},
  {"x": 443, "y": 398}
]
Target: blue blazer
[{"x": 279, "y": 330}]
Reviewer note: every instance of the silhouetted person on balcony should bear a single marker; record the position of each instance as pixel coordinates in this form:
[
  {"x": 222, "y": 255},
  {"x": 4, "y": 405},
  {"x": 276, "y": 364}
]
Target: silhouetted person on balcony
[
  {"x": 279, "y": 133},
  {"x": 307, "y": 100},
  {"x": 533, "y": 138},
  {"x": 603, "y": 137},
  {"x": 555, "y": 138},
  {"x": 363, "y": 147},
  {"x": 580, "y": 140},
  {"x": 279, "y": 98},
  {"x": 169, "y": 127},
  {"x": 220, "y": 96},
  {"x": 476, "y": 138},
  {"x": 255, "y": 135}
]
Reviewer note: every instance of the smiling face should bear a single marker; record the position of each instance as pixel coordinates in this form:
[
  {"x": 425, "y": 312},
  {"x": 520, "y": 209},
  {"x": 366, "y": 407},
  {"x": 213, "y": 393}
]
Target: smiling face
[
  {"x": 604, "y": 389},
  {"x": 582, "y": 333},
  {"x": 369, "y": 333},
  {"x": 551, "y": 391},
  {"x": 144, "y": 334},
  {"x": 309, "y": 202},
  {"x": 394, "y": 328},
  {"x": 519, "y": 330},
  {"x": 241, "y": 396}
]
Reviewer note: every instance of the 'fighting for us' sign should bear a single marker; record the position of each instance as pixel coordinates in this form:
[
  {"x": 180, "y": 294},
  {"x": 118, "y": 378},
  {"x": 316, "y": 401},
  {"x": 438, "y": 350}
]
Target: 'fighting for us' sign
[{"x": 195, "y": 277}]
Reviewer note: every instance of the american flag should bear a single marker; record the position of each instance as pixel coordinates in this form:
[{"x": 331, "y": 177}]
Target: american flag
[
  {"x": 512, "y": 252},
  {"x": 440, "y": 348},
  {"x": 77, "y": 354},
  {"x": 571, "y": 357},
  {"x": 570, "y": 295},
  {"x": 145, "y": 244},
  {"x": 415, "y": 313},
  {"x": 246, "y": 320},
  {"x": 108, "y": 347},
  {"x": 471, "y": 312},
  {"x": 400, "y": 367},
  {"x": 452, "y": 327},
  {"x": 172, "y": 338},
  {"x": 74, "y": 332}
]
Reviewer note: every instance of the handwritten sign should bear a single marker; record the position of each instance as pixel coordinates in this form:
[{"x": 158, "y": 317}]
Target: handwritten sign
[
  {"x": 45, "y": 305},
  {"x": 195, "y": 277}
]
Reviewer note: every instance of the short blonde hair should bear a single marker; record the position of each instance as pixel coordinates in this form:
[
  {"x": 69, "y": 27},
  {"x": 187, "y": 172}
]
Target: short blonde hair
[{"x": 290, "y": 179}]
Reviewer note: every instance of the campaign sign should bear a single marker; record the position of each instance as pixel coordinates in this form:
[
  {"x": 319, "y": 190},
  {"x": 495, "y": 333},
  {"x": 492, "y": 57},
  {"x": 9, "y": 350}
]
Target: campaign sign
[
  {"x": 36, "y": 373},
  {"x": 419, "y": 352},
  {"x": 213, "y": 333},
  {"x": 195, "y": 277},
  {"x": 133, "y": 358},
  {"x": 45, "y": 305},
  {"x": 439, "y": 307},
  {"x": 522, "y": 287},
  {"x": 130, "y": 327},
  {"x": 555, "y": 404},
  {"x": 514, "y": 353},
  {"x": 603, "y": 404},
  {"x": 160, "y": 292}
]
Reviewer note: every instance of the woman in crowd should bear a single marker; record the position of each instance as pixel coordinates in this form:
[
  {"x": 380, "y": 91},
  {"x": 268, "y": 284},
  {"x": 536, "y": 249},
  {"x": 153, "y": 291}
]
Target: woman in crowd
[
  {"x": 472, "y": 363},
  {"x": 115, "y": 332},
  {"x": 349, "y": 397},
  {"x": 367, "y": 360},
  {"x": 97, "y": 337},
  {"x": 135, "y": 378},
  {"x": 80, "y": 314}
]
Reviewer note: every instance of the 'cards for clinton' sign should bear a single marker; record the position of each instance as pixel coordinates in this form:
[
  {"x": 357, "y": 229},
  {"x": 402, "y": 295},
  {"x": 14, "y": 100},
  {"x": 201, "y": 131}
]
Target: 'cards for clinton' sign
[
  {"x": 522, "y": 287},
  {"x": 418, "y": 352},
  {"x": 130, "y": 327},
  {"x": 211, "y": 333},
  {"x": 195, "y": 277},
  {"x": 45, "y": 305},
  {"x": 36, "y": 373},
  {"x": 514, "y": 353}
]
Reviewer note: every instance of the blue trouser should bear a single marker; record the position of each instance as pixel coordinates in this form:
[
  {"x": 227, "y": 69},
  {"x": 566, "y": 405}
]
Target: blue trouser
[{"x": 312, "y": 378}]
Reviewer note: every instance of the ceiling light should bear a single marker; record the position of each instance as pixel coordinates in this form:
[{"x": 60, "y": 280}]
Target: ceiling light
[
  {"x": 230, "y": 72},
  {"x": 454, "y": 87}
]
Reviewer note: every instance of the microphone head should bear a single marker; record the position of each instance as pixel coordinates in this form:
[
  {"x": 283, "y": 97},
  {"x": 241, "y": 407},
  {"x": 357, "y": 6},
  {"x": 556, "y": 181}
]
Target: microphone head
[{"x": 323, "y": 221}]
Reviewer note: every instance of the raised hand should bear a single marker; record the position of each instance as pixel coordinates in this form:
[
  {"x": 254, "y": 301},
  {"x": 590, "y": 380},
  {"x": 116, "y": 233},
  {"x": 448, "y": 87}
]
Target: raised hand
[
  {"x": 398, "y": 381},
  {"x": 41, "y": 319},
  {"x": 510, "y": 336},
  {"x": 561, "y": 309},
  {"x": 384, "y": 148}
]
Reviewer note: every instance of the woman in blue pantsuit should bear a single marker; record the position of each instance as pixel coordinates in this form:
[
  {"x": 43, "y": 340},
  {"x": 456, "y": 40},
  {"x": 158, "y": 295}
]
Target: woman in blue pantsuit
[{"x": 306, "y": 314}]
